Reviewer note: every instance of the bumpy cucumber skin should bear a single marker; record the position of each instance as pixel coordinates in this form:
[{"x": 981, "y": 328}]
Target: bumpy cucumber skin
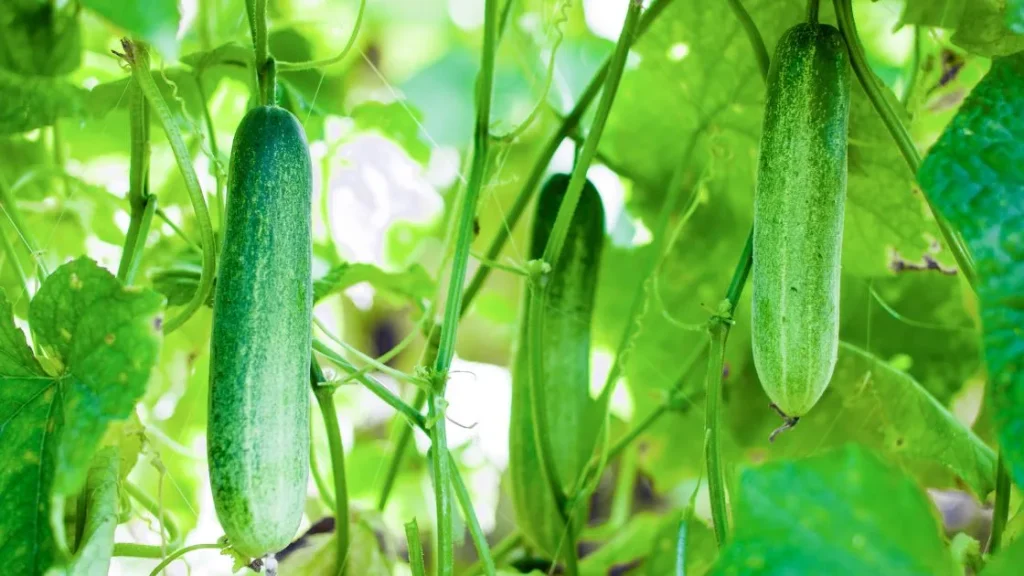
[
  {"x": 258, "y": 430},
  {"x": 798, "y": 217},
  {"x": 570, "y": 301}
]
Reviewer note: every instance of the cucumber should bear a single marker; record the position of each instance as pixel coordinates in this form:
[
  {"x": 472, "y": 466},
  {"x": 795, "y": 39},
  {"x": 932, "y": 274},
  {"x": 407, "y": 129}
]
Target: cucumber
[
  {"x": 798, "y": 217},
  {"x": 258, "y": 430},
  {"x": 572, "y": 416}
]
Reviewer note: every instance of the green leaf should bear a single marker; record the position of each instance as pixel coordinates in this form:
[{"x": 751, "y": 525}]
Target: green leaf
[
  {"x": 40, "y": 40},
  {"x": 34, "y": 102},
  {"x": 983, "y": 27},
  {"x": 155, "y": 21},
  {"x": 228, "y": 54},
  {"x": 874, "y": 404},
  {"x": 102, "y": 494},
  {"x": 974, "y": 175},
  {"x": 627, "y": 547},
  {"x": 413, "y": 283},
  {"x": 1015, "y": 16},
  {"x": 396, "y": 121},
  {"x": 106, "y": 338},
  {"x": 31, "y": 420},
  {"x": 844, "y": 512},
  {"x": 317, "y": 556},
  {"x": 1007, "y": 562}
]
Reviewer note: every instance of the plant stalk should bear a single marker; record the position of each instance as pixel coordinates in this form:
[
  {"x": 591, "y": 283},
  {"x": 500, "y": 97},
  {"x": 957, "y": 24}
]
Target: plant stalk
[
  {"x": 899, "y": 133},
  {"x": 325, "y": 399}
]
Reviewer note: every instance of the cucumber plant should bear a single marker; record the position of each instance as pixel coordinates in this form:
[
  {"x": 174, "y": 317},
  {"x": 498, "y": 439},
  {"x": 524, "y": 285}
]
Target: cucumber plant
[{"x": 143, "y": 409}]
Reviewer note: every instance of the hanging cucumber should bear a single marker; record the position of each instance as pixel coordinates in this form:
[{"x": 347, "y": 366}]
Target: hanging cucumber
[
  {"x": 258, "y": 431},
  {"x": 798, "y": 217},
  {"x": 572, "y": 420}
]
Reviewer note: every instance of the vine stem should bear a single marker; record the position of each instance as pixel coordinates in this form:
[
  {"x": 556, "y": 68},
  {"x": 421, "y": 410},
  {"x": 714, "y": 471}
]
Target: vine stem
[
  {"x": 12, "y": 257},
  {"x": 713, "y": 423},
  {"x": 10, "y": 210},
  {"x": 373, "y": 385},
  {"x": 899, "y": 133},
  {"x": 297, "y": 66},
  {"x": 418, "y": 421},
  {"x": 753, "y": 36},
  {"x": 211, "y": 133},
  {"x": 1001, "y": 509},
  {"x": 475, "y": 531},
  {"x": 166, "y": 519},
  {"x": 453, "y": 302},
  {"x": 560, "y": 231},
  {"x": 530, "y": 185},
  {"x": 325, "y": 399},
  {"x": 181, "y": 552},
  {"x": 141, "y": 203},
  {"x": 412, "y": 539},
  {"x": 137, "y": 56}
]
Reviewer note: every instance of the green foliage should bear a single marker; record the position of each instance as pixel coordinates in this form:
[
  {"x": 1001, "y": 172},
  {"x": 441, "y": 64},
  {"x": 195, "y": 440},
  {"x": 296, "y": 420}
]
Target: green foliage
[
  {"x": 102, "y": 493},
  {"x": 985, "y": 27},
  {"x": 93, "y": 332},
  {"x": 675, "y": 171},
  {"x": 973, "y": 174},
  {"x": 40, "y": 40},
  {"x": 155, "y": 21},
  {"x": 844, "y": 512}
]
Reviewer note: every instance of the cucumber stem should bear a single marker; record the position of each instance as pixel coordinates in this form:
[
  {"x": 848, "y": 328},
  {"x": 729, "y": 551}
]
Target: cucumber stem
[
  {"x": 560, "y": 230},
  {"x": 412, "y": 539},
  {"x": 719, "y": 333},
  {"x": 325, "y": 400},
  {"x": 812, "y": 11},
  {"x": 476, "y": 533},
  {"x": 453, "y": 300},
  {"x": 181, "y": 552},
  {"x": 137, "y": 55},
  {"x": 141, "y": 203},
  {"x": 1001, "y": 509}
]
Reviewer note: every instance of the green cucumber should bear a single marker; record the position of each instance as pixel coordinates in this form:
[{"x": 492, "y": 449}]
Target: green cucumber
[
  {"x": 258, "y": 430},
  {"x": 798, "y": 217},
  {"x": 572, "y": 421}
]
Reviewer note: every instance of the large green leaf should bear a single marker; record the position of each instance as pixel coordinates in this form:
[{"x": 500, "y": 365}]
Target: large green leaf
[
  {"x": 41, "y": 40},
  {"x": 984, "y": 27},
  {"x": 1015, "y": 16},
  {"x": 840, "y": 513},
  {"x": 34, "y": 102},
  {"x": 155, "y": 21},
  {"x": 872, "y": 403},
  {"x": 31, "y": 421},
  {"x": 106, "y": 338},
  {"x": 974, "y": 175}
]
